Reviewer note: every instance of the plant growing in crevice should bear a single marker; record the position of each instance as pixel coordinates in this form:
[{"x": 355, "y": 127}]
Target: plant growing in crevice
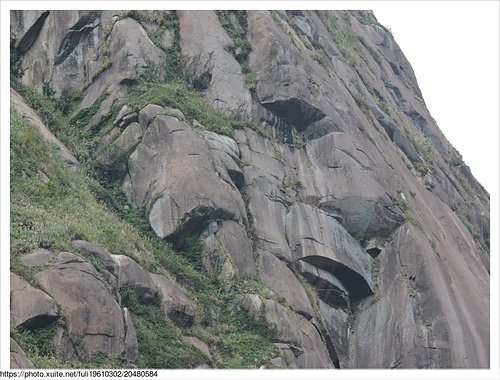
[
  {"x": 251, "y": 81},
  {"x": 292, "y": 184},
  {"x": 347, "y": 42},
  {"x": 318, "y": 57},
  {"x": 251, "y": 230},
  {"x": 237, "y": 30}
]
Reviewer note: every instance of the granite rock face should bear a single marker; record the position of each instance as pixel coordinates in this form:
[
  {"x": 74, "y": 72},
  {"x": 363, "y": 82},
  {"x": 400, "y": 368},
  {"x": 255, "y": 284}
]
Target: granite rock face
[{"x": 340, "y": 195}]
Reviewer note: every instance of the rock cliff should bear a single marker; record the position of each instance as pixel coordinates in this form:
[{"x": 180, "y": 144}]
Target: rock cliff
[{"x": 236, "y": 189}]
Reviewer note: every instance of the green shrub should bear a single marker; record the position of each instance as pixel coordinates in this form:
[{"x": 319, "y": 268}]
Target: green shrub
[
  {"x": 347, "y": 42},
  {"x": 242, "y": 46},
  {"x": 318, "y": 57},
  {"x": 83, "y": 117},
  {"x": 177, "y": 95},
  {"x": 251, "y": 81}
]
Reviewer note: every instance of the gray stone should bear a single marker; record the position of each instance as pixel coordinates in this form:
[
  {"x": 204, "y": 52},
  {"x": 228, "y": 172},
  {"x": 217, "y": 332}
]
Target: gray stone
[
  {"x": 202, "y": 346},
  {"x": 30, "y": 308},
  {"x": 18, "y": 358},
  {"x": 184, "y": 201},
  {"x": 334, "y": 251},
  {"x": 168, "y": 38},
  {"x": 124, "y": 111},
  {"x": 131, "y": 275},
  {"x": 148, "y": 113},
  {"x": 275, "y": 274},
  {"x": 38, "y": 257},
  {"x": 205, "y": 47},
  {"x": 174, "y": 303},
  {"x": 299, "y": 334},
  {"x": 131, "y": 344},
  {"x": 227, "y": 251},
  {"x": 130, "y": 137},
  {"x": 225, "y": 155},
  {"x": 100, "y": 253},
  {"x": 43, "y": 177},
  {"x": 174, "y": 112},
  {"x": 93, "y": 318}
]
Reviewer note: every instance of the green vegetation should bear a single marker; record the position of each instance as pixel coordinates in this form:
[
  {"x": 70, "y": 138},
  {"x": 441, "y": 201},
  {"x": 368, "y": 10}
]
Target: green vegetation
[
  {"x": 238, "y": 34},
  {"x": 72, "y": 205},
  {"x": 318, "y": 57},
  {"x": 299, "y": 141},
  {"x": 83, "y": 117},
  {"x": 423, "y": 147},
  {"x": 113, "y": 161},
  {"x": 347, "y": 42},
  {"x": 154, "y": 331},
  {"x": 251, "y": 230},
  {"x": 473, "y": 231},
  {"x": 292, "y": 184},
  {"x": 375, "y": 275},
  {"x": 57, "y": 114},
  {"x": 297, "y": 41},
  {"x": 412, "y": 218},
  {"x": 361, "y": 102},
  {"x": 383, "y": 106},
  {"x": 364, "y": 17},
  {"x": 192, "y": 104},
  {"x": 373, "y": 52},
  {"x": 106, "y": 60},
  {"x": 251, "y": 81},
  {"x": 308, "y": 163}
]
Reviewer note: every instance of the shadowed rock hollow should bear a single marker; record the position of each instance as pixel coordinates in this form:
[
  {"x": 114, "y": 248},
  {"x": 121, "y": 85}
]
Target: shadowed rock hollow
[{"x": 290, "y": 150}]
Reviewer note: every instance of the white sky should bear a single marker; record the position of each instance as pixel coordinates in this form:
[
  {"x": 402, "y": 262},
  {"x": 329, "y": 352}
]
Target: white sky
[{"x": 453, "y": 48}]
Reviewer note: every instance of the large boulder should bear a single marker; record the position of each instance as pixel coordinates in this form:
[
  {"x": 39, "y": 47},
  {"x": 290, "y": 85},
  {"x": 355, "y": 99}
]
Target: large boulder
[
  {"x": 274, "y": 273},
  {"x": 93, "y": 318},
  {"x": 294, "y": 333},
  {"x": 131, "y": 275},
  {"x": 206, "y": 48},
  {"x": 174, "y": 302},
  {"x": 227, "y": 251},
  {"x": 182, "y": 202},
  {"x": 226, "y": 157},
  {"x": 318, "y": 239},
  {"x": 30, "y": 308}
]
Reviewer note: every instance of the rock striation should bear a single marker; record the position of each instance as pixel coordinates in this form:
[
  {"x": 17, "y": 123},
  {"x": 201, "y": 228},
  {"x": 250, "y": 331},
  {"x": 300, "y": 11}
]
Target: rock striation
[{"x": 339, "y": 194}]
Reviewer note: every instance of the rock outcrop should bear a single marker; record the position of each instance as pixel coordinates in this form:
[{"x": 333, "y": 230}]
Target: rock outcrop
[
  {"x": 337, "y": 192},
  {"x": 86, "y": 299}
]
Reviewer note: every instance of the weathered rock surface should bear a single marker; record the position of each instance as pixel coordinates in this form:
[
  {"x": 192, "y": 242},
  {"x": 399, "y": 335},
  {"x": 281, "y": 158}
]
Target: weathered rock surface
[
  {"x": 274, "y": 273},
  {"x": 93, "y": 317},
  {"x": 296, "y": 336},
  {"x": 344, "y": 179},
  {"x": 38, "y": 257},
  {"x": 200, "y": 345},
  {"x": 183, "y": 202},
  {"x": 227, "y": 251},
  {"x": 206, "y": 48},
  {"x": 18, "y": 358},
  {"x": 30, "y": 308},
  {"x": 174, "y": 303},
  {"x": 18, "y": 104},
  {"x": 131, "y": 344},
  {"x": 131, "y": 275},
  {"x": 319, "y": 239}
]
